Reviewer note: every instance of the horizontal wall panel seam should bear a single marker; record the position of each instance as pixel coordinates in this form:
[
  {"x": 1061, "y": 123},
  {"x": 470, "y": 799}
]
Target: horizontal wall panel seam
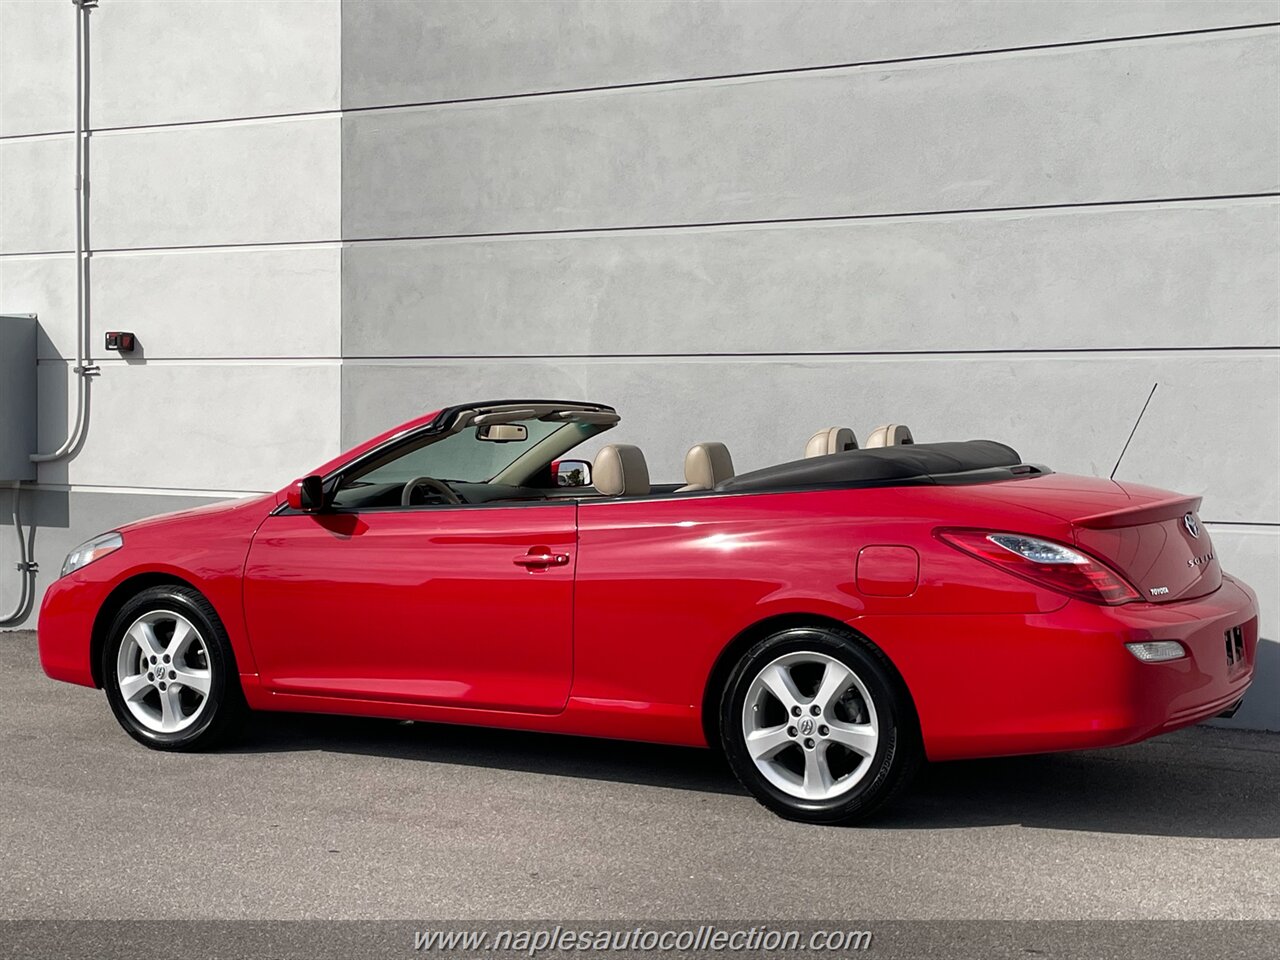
[
  {"x": 123, "y": 252},
  {"x": 34, "y": 137},
  {"x": 110, "y": 490},
  {"x": 658, "y": 227},
  {"x": 603, "y": 88},
  {"x": 1266, "y": 352},
  {"x": 928, "y": 59},
  {"x": 115, "y": 362}
]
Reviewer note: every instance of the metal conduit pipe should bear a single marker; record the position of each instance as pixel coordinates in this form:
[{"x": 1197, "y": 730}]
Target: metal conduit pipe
[
  {"x": 25, "y": 566},
  {"x": 83, "y": 370}
]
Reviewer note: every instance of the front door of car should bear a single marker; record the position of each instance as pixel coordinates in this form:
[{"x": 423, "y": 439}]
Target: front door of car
[{"x": 468, "y": 606}]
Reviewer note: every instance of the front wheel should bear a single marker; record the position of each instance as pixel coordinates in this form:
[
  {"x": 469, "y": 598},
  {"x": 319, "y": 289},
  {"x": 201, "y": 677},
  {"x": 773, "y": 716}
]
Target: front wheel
[
  {"x": 169, "y": 672},
  {"x": 816, "y": 725}
]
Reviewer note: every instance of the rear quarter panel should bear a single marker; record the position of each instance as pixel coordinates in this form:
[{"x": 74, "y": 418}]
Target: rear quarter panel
[{"x": 664, "y": 586}]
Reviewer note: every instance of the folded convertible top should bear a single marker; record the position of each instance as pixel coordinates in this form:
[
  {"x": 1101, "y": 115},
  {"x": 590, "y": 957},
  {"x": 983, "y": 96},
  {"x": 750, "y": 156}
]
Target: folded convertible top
[{"x": 880, "y": 466}]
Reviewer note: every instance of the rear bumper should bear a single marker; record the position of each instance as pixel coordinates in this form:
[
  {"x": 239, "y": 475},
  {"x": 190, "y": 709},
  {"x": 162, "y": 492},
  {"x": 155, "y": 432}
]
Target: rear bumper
[{"x": 999, "y": 685}]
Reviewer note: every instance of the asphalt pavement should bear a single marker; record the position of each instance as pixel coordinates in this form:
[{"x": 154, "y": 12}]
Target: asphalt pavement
[{"x": 352, "y": 819}]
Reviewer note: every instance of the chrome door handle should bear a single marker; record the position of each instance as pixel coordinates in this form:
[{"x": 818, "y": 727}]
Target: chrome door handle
[{"x": 539, "y": 560}]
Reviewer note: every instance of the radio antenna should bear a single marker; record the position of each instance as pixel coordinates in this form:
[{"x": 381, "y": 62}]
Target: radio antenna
[{"x": 1133, "y": 431}]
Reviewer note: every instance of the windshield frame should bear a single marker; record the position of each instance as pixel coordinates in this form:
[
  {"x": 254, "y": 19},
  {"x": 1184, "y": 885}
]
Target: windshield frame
[
  {"x": 458, "y": 418},
  {"x": 411, "y": 444}
]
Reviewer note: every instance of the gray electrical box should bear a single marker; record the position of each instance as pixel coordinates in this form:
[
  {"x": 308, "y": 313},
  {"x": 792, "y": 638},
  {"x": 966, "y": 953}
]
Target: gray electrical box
[{"x": 17, "y": 397}]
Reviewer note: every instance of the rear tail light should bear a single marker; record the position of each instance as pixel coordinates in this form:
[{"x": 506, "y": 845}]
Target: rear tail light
[{"x": 1045, "y": 562}]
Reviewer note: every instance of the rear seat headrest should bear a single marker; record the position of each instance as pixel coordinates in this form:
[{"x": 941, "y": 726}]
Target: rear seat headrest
[
  {"x": 890, "y": 435},
  {"x": 830, "y": 440},
  {"x": 619, "y": 470},
  {"x": 705, "y": 465}
]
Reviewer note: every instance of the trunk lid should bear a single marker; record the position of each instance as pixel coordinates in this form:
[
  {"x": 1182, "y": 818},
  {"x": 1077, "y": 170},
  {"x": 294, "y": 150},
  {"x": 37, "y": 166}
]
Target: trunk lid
[
  {"x": 1160, "y": 546},
  {"x": 1153, "y": 537}
]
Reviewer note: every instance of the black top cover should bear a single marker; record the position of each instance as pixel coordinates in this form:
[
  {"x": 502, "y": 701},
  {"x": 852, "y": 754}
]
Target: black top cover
[{"x": 878, "y": 466}]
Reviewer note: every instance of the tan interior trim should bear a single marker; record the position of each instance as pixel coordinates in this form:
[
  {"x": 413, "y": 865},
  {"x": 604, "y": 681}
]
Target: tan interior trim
[
  {"x": 705, "y": 465},
  {"x": 890, "y": 435},
  {"x": 830, "y": 440},
  {"x": 619, "y": 470}
]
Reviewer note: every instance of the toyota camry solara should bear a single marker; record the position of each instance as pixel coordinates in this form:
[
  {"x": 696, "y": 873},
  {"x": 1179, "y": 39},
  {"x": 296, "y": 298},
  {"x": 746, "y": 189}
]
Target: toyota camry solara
[{"x": 829, "y": 623}]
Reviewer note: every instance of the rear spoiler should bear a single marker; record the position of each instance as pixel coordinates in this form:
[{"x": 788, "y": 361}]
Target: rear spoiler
[{"x": 1143, "y": 513}]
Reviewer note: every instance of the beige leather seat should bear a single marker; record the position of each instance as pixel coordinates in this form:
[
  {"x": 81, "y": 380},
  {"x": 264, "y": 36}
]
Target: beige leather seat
[
  {"x": 619, "y": 470},
  {"x": 890, "y": 435},
  {"x": 705, "y": 465},
  {"x": 830, "y": 440}
]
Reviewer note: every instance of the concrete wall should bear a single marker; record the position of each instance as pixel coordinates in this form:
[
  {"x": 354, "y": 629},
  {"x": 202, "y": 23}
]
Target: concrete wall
[
  {"x": 734, "y": 220},
  {"x": 215, "y": 233}
]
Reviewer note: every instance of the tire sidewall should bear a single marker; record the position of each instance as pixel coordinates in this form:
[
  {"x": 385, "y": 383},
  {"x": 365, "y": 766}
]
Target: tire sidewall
[
  {"x": 890, "y": 714},
  {"x": 221, "y": 664}
]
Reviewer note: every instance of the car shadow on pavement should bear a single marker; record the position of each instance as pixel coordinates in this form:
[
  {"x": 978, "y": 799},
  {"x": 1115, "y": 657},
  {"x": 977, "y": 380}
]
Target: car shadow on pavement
[
  {"x": 1199, "y": 782},
  {"x": 682, "y": 768}
]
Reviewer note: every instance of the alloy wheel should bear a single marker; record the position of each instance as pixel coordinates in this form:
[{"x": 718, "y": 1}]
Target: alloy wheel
[
  {"x": 810, "y": 725},
  {"x": 163, "y": 671}
]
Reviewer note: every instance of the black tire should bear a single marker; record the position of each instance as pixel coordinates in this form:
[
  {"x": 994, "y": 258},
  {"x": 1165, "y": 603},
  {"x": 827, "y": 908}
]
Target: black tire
[
  {"x": 898, "y": 753},
  {"x": 223, "y": 710}
]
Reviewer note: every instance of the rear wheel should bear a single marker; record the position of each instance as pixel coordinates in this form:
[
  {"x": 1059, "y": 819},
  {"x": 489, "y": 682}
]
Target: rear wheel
[
  {"x": 169, "y": 672},
  {"x": 816, "y": 725}
]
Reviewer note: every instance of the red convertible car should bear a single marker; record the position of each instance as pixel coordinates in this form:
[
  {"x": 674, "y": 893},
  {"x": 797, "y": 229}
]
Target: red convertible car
[{"x": 828, "y": 622}]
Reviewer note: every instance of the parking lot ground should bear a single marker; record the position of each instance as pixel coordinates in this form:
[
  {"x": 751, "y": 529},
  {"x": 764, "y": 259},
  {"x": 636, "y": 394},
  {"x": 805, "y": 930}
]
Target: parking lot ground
[{"x": 337, "y": 818}]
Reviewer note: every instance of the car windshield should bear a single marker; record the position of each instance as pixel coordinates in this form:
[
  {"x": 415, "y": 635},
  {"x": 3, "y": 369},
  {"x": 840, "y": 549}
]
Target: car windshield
[{"x": 461, "y": 457}]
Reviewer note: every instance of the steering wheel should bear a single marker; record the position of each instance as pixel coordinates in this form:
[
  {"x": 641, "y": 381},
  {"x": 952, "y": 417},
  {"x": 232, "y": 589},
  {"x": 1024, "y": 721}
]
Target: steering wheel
[{"x": 436, "y": 486}]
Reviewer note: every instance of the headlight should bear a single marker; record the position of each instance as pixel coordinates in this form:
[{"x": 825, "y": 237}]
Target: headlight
[{"x": 91, "y": 550}]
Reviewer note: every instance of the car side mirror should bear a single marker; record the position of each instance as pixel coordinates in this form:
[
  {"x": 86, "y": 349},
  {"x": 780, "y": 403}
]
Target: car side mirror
[
  {"x": 571, "y": 473},
  {"x": 306, "y": 495}
]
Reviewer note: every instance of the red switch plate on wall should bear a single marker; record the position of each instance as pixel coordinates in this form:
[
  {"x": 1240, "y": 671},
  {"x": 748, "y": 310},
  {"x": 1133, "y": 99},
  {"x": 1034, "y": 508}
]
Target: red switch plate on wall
[{"x": 121, "y": 341}]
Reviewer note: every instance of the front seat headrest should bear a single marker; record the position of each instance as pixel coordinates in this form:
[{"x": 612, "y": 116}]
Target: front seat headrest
[
  {"x": 619, "y": 470},
  {"x": 830, "y": 440},
  {"x": 705, "y": 465},
  {"x": 890, "y": 435}
]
